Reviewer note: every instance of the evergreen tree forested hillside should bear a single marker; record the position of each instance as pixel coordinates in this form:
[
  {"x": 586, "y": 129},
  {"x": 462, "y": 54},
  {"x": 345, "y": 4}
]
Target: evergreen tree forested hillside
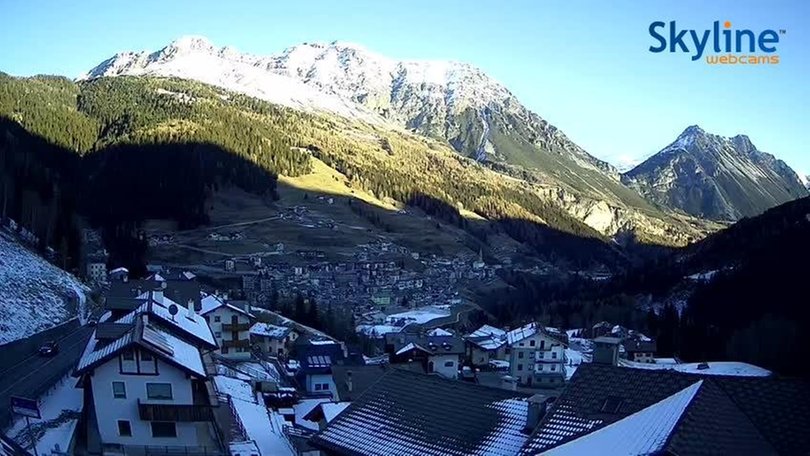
[{"x": 125, "y": 149}]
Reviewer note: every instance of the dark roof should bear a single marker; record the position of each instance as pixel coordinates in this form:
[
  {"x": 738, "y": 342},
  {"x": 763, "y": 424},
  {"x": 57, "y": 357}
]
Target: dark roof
[
  {"x": 363, "y": 377},
  {"x": 432, "y": 344},
  {"x": 122, "y": 303},
  {"x": 179, "y": 291},
  {"x": 406, "y": 413},
  {"x": 636, "y": 345},
  {"x": 728, "y": 415},
  {"x": 110, "y": 331}
]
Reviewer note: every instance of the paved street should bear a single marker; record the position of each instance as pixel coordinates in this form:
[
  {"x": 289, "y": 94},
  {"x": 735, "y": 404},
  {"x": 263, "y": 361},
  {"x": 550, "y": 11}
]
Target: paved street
[{"x": 35, "y": 374}]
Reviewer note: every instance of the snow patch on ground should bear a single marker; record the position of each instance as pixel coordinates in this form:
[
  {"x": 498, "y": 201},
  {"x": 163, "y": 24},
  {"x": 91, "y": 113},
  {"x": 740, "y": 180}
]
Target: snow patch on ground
[
  {"x": 263, "y": 426},
  {"x": 395, "y": 323},
  {"x": 34, "y": 294},
  {"x": 60, "y": 409}
]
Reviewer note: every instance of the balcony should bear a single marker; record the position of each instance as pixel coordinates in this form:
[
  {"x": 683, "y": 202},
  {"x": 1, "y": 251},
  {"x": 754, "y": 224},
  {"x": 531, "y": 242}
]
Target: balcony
[
  {"x": 243, "y": 343},
  {"x": 235, "y": 327},
  {"x": 175, "y": 412}
]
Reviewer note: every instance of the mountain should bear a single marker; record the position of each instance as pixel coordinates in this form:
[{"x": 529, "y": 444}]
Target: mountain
[
  {"x": 34, "y": 294},
  {"x": 450, "y": 100},
  {"x": 454, "y": 103},
  {"x": 715, "y": 177}
]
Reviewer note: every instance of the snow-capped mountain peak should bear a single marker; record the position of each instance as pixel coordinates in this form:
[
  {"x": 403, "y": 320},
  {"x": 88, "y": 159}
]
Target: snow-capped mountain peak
[{"x": 447, "y": 99}]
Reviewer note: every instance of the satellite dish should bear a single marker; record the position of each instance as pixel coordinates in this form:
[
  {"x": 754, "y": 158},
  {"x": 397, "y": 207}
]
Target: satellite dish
[{"x": 173, "y": 310}]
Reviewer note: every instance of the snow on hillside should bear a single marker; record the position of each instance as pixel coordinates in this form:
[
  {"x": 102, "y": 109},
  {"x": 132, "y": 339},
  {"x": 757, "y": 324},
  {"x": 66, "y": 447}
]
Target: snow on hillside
[
  {"x": 34, "y": 294},
  {"x": 339, "y": 77},
  {"x": 397, "y": 322}
]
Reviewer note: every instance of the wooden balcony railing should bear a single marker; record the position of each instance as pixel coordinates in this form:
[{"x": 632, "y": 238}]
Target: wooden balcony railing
[
  {"x": 238, "y": 327},
  {"x": 175, "y": 412},
  {"x": 244, "y": 343}
]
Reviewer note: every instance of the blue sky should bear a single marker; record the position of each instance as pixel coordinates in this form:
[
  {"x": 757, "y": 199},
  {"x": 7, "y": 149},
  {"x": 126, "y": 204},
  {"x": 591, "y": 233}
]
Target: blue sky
[{"x": 583, "y": 66}]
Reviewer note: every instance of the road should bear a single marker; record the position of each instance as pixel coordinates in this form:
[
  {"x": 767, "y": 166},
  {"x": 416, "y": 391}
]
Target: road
[{"x": 33, "y": 376}]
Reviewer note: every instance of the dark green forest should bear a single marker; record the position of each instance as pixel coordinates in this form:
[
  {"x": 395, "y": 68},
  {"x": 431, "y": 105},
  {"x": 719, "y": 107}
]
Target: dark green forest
[{"x": 121, "y": 150}]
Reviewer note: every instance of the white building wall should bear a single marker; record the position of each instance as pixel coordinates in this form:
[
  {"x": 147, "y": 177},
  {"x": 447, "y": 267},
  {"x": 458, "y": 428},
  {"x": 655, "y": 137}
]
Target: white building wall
[
  {"x": 322, "y": 379},
  {"x": 110, "y": 409},
  {"x": 222, "y": 316},
  {"x": 445, "y": 365}
]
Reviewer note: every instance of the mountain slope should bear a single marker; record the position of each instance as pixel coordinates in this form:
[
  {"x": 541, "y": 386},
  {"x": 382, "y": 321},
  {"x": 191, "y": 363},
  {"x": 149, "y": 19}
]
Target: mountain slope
[
  {"x": 34, "y": 294},
  {"x": 452, "y": 101},
  {"x": 711, "y": 176}
]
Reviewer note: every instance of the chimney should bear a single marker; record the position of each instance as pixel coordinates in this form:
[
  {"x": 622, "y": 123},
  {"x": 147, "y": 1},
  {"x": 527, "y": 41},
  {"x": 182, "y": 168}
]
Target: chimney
[
  {"x": 536, "y": 411},
  {"x": 349, "y": 385},
  {"x": 145, "y": 318},
  {"x": 247, "y": 306},
  {"x": 606, "y": 350},
  {"x": 190, "y": 308},
  {"x": 157, "y": 295}
]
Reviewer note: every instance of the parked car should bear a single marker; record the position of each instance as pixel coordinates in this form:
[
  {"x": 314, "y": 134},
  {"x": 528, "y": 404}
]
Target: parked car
[
  {"x": 50, "y": 348},
  {"x": 93, "y": 321}
]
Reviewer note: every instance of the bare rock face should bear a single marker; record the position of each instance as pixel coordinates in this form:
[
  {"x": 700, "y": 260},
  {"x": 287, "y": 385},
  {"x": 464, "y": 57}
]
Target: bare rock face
[{"x": 715, "y": 177}]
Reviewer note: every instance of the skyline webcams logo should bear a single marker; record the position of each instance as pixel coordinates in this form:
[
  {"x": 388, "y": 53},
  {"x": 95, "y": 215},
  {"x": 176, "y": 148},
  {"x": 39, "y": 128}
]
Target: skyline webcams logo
[{"x": 731, "y": 47}]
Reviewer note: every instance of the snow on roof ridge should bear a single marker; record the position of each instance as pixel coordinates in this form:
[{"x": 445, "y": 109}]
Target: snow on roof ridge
[{"x": 644, "y": 432}]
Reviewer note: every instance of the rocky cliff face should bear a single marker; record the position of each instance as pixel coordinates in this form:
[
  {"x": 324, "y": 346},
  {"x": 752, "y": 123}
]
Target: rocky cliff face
[{"x": 715, "y": 177}]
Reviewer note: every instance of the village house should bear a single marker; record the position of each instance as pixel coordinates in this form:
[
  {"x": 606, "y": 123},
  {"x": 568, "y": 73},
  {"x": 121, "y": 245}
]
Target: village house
[
  {"x": 439, "y": 353},
  {"x": 145, "y": 386},
  {"x": 418, "y": 414},
  {"x": 274, "y": 340},
  {"x": 640, "y": 350},
  {"x": 484, "y": 344},
  {"x": 608, "y": 409},
  {"x": 537, "y": 356},
  {"x": 230, "y": 323},
  {"x": 316, "y": 356}
]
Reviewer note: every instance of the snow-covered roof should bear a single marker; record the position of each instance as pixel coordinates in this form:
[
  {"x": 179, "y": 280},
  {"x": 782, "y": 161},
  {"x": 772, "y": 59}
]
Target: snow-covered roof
[
  {"x": 411, "y": 346},
  {"x": 487, "y": 337},
  {"x": 439, "y": 332},
  {"x": 157, "y": 341},
  {"x": 730, "y": 368},
  {"x": 518, "y": 334},
  {"x": 333, "y": 409},
  {"x": 189, "y": 323},
  {"x": 268, "y": 330},
  {"x": 211, "y": 303},
  {"x": 644, "y": 432}
]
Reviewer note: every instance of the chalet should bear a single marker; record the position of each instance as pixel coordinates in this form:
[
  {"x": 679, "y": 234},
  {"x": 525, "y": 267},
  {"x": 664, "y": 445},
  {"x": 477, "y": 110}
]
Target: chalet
[
  {"x": 272, "y": 339},
  {"x": 144, "y": 386},
  {"x": 230, "y": 323},
  {"x": 537, "y": 356},
  {"x": 639, "y": 350},
  {"x": 407, "y": 413},
  {"x": 484, "y": 344},
  {"x": 607, "y": 409},
  {"x": 440, "y": 354},
  {"x": 316, "y": 356}
]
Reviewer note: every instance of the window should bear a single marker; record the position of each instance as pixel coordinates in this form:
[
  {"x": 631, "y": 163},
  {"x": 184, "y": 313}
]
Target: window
[
  {"x": 128, "y": 355},
  {"x": 124, "y": 428},
  {"x": 163, "y": 429},
  {"x": 520, "y": 354},
  {"x": 542, "y": 345},
  {"x": 217, "y": 334},
  {"x": 542, "y": 355},
  {"x": 146, "y": 356},
  {"x": 612, "y": 404},
  {"x": 531, "y": 342},
  {"x": 554, "y": 355},
  {"x": 119, "y": 390},
  {"x": 520, "y": 367},
  {"x": 159, "y": 391},
  {"x": 321, "y": 387},
  {"x": 540, "y": 368},
  {"x": 216, "y": 319},
  {"x": 553, "y": 367},
  {"x": 448, "y": 364}
]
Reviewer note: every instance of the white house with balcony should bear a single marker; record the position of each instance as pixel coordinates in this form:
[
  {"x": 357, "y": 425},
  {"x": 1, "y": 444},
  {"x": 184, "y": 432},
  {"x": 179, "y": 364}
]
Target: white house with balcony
[
  {"x": 146, "y": 387},
  {"x": 272, "y": 339},
  {"x": 230, "y": 324},
  {"x": 536, "y": 356}
]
